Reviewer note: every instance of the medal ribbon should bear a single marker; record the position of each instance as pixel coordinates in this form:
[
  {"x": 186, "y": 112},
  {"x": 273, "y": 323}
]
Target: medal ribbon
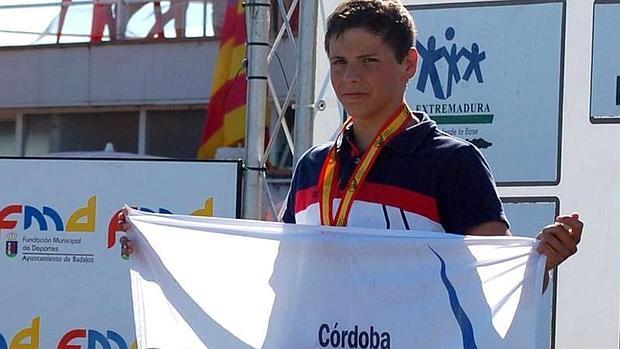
[{"x": 390, "y": 128}]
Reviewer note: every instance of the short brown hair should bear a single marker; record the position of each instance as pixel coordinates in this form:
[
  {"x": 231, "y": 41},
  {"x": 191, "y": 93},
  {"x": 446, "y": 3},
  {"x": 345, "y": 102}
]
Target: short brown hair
[{"x": 388, "y": 19}]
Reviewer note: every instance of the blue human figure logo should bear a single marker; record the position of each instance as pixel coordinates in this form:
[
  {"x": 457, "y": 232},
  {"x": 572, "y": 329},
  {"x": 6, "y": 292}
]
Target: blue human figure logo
[
  {"x": 475, "y": 57},
  {"x": 430, "y": 56},
  {"x": 453, "y": 59}
]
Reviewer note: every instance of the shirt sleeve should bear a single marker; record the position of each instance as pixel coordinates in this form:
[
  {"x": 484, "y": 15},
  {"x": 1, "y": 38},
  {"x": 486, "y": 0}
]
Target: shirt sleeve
[
  {"x": 289, "y": 213},
  {"x": 467, "y": 194}
]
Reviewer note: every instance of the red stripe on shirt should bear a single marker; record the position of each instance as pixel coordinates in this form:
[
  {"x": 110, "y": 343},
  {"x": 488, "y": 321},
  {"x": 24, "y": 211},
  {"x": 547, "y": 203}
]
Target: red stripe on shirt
[
  {"x": 389, "y": 195},
  {"x": 306, "y": 197}
]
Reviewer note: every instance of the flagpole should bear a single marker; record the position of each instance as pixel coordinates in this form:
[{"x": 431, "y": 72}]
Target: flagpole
[{"x": 258, "y": 48}]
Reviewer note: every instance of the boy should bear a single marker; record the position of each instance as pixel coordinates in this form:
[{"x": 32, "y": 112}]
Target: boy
[{"x": 391, "y": 167}]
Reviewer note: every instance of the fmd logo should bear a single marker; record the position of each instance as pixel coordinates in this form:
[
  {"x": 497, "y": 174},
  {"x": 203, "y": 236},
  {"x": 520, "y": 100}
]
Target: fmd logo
[
  {"x": 205, "y": 210},
  {"x": 82, "y": 220},
  {"x": 79, "y": 338}
]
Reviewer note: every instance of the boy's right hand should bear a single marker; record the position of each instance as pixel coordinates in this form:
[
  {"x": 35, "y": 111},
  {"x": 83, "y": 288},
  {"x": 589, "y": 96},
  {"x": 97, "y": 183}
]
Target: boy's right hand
[
  {"x": 121, "y": 224},
  {"x": 127, "y": 247}
]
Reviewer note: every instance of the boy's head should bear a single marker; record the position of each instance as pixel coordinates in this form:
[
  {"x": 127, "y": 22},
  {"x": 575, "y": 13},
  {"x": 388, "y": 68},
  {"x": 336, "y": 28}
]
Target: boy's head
[{"x": 388, "y": 19}]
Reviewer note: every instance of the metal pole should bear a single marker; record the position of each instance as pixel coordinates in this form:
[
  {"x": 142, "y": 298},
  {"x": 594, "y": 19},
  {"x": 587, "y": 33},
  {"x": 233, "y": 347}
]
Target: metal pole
[
  {"x": 306, "y": 56},
  {"x": 19, "y": 135},
  {"x": 142, "y": 132},
  {"x": 120, "y": 20},
  {"x": 258, "y": 12}
]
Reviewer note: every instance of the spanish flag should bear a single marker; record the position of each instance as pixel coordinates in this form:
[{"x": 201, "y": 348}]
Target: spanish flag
[{"x": 225, "y": 121}]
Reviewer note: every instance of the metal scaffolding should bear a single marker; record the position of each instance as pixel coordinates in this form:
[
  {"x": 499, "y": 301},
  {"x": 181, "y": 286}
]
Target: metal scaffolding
[
  {"x": 305, "y": 109},
  {"x": 257, "y": 11},
  {"x": 301, "y": 90}
]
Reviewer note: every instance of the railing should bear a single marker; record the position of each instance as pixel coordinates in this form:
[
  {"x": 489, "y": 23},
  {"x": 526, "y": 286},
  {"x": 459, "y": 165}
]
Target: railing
[{"x": 38, "y": 22}]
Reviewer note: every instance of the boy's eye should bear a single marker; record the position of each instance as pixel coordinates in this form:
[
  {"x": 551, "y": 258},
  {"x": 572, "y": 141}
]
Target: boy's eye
[
  {"x": 337, "y": 62},
  {"x": 369, "y": 60}
]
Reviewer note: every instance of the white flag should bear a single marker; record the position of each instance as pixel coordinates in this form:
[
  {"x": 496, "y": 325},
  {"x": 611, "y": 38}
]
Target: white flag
[{"x": 201, "y": 282}]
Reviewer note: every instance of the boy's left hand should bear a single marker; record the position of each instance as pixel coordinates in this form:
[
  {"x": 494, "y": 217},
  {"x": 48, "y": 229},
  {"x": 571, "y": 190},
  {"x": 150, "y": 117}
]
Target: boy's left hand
[{"x": 559, "y": 241}]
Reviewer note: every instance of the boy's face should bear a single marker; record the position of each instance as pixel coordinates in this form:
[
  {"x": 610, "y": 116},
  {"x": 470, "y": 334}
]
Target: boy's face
[{"x": 366, "y": 76}]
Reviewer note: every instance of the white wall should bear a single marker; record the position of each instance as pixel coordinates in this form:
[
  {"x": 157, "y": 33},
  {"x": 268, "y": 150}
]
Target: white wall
[{"x": 84, "y": 75}]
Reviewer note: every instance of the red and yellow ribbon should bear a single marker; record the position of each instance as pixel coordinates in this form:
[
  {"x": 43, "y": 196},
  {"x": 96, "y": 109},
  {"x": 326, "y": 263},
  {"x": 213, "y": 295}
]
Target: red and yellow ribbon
[{"x": 330, "y": 169}]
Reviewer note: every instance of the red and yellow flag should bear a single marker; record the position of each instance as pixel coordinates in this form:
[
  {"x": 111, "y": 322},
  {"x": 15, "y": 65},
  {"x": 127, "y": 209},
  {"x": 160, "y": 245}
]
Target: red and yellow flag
[{"x": 225, "y": 121}]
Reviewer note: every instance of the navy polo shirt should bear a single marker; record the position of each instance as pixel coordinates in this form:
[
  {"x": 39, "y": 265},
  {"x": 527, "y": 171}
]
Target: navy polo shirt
[{"x": 424, "y": 179}]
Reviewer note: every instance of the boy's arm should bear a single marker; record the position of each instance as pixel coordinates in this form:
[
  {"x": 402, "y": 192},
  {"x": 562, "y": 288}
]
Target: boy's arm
[{"x": 489, "y": 229}]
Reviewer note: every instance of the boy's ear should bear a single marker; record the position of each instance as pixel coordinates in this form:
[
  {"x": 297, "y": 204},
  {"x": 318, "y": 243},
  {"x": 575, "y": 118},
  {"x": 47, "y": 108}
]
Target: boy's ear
[{"x": 411, "y": 63}]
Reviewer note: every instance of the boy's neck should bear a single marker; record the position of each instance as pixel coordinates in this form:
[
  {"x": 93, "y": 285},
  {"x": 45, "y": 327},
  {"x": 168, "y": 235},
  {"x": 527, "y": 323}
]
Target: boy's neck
[{"x": 365, "y": 130}]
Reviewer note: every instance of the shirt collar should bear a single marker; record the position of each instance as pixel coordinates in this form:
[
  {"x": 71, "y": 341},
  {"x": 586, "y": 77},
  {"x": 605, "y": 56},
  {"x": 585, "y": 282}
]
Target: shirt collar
[
  {"x": 412, "y": 137},
  {"x": 349, "y": 137},
  {"x": 407, "y": 141}
]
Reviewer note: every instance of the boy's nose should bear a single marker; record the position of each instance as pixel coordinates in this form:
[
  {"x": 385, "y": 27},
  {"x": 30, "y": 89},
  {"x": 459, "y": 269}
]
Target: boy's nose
[{"x": 352, "y": 73}]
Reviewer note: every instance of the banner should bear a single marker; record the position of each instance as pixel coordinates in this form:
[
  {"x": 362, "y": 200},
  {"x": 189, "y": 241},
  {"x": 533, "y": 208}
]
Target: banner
[
  {"x": 66, "y": 284},
  {"x": 201, "y": 282},
  {"x": 491, "y": 73}
]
